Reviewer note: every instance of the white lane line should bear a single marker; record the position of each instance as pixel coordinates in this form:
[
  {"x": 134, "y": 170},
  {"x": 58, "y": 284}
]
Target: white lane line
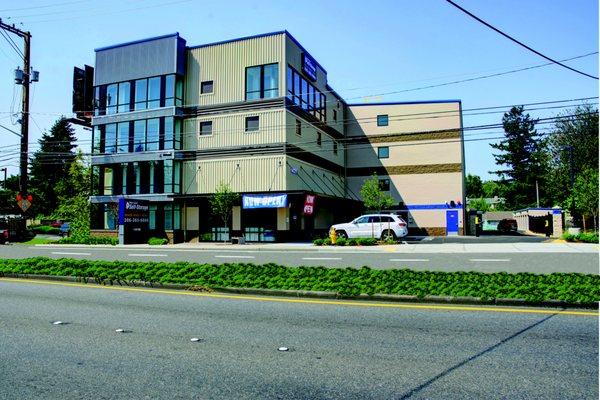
[
  {"x": 410, "y": 259},
  {"x": 321, "y": 258},
  {"x": 70, "y": 253},
  {"x": 233, "y": 256},
  {"x": 147, "y": 255},
  {"x": 489, "y": 259}
]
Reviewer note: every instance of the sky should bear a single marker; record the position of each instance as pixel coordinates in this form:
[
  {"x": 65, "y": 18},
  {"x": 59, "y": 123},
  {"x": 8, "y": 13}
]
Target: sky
[{"x": 376, "y": 50}]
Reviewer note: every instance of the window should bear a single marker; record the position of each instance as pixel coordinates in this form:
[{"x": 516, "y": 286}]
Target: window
[
  {"x": 383, "y": 152},
  {"x": 139, "y": 136},
  {"x": 384, "y": 184},
  {"x": 382, "y": 120},
  {"x": 303, "y": 94},
  {"x": 361, "y": 220},
  {"x": 152, "y": 134},
  {"x": 141, "y": 92},
  {"x": 252, "y": 124},
  {"x": 111, "y": 99},
  {"x": 154, "y": 92},
  {"x": 335, "y": 115},
  {"x": 168, "y": 217},
  {"x": 168, "y": 176},
  {"x": 206, "y": 87},
  {"x": 124, "y": 96},
  {"x": 205, "y": 128},
  {"x": 168, "y": 133},
  {"x": 97, "y": 139},
  {"x": 335, "y": 147},
  {"x": 152, "y": 217},
  {"x": 262, "y": 82},
  {"x": 169, "y": 90},
  {"x": 110, "y": 145},
  {"x": 319, "y": 138},
  {"x": 123, "y": 137},
  {"x": 298, "y": 127}
]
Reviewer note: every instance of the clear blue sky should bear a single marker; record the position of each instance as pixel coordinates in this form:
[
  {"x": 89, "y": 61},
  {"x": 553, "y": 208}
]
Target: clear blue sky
[{"x": 367, "y": 47}]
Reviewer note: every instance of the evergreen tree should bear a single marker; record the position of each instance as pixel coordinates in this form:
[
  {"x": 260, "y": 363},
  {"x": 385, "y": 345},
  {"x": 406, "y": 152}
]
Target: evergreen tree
[
  {"x": 522, "y": 153},
  {"x": 474, "y": 186},
  {"x": 50, "y": 165}
]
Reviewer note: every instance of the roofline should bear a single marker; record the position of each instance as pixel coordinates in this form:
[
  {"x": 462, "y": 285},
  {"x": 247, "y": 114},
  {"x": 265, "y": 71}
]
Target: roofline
[
  {"x": 391, "y": 103},
  {"x": 260, "y": 35},
  {"x": 114, "y": 46}
]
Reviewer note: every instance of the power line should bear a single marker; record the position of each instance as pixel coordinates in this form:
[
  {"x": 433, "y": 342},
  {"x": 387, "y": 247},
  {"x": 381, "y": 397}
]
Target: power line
[
  {"x": 519, "y": 42},
  {"x": 46, "y": 6}
]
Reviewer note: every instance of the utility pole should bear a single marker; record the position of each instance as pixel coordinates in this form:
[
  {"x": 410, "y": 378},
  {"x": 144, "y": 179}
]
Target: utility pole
[
  {"x": 24, "y": 78},
  {"x": 537, "y": 193}
]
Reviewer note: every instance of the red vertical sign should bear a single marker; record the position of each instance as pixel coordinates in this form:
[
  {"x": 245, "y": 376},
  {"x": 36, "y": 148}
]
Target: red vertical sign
[{"x": 309, "y": 204}]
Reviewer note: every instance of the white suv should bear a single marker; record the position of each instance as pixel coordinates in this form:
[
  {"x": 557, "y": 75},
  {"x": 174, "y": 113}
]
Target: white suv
[{"x": 373, "y": 225}]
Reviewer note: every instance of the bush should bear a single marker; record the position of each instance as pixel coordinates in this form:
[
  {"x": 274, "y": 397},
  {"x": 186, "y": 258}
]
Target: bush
[
  {"x": 586, "y": 237},
  {"x": 569, "y": 287},
  {"x": 340, "y": 241},
  {"x": 318, "y": 242},
  {"x": 327, "y": 242},
  {"x": 44, "y": 229},
  {"x": 366, "y": 241},
  {"x": 89, "y": 240},
  {"x": 154, "y": 241},
  {"x": 206, "y": 237},
  {"x": 351, "y": 242}
]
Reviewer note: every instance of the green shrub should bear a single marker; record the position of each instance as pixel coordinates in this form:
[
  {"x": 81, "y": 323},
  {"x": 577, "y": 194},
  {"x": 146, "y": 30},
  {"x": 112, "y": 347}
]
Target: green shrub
[
  {"x": 351, "y": 242},
  {"x": 154, "y": 241},
  {"x": 89, "y": 240},
  {"x": 327, "y": 242},
  {"x": 569, "y": 287},
  {"x": 206, "y": 237},
  {"x": 44, "y": 229},
  {"x": 366, "y": 241},
  {"x": 586, "y": 237},
  {"x": 340, "y": 241},
  {"x": 318, "y": 242}
]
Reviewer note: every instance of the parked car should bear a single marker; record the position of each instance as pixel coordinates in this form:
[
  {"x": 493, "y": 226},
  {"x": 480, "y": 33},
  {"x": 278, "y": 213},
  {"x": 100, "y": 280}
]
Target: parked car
[
  {"x": 373, "y": 225},
  {"x": 56, "y": 224},
  {"x": 64, "y": 229},
  {"x": 507, "y": 225}
]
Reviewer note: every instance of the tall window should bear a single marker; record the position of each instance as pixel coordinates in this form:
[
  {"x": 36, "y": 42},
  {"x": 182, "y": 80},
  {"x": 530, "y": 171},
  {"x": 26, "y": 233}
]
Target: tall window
[
  {"x": 124, "y": 96},
  {"x": 169, "y": 90},
  {"x": 111, "y": 99},
  {"x": 123, "y": 137},
  {"x": 153, "y": 134},
  {"x": 168, "y": 135},
  {"x": 302, "y": 93},
  {"x": 262, "y": 82},
  {"x": 139, "y": 136},
  {"x": 97, "y": 139},
  {"x": 154, "y": 92},
  {"x": 141, "y": 94},
  {"x": 110, "y": 144},
  {"x": 298, "y": 127}
]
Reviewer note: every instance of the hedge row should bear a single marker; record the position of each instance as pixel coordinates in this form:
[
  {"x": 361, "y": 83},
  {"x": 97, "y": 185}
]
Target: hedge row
[
  {"x": 586, "y": 237},
  {"x": 346, "y": 242},
  {"x": 44, "y": 229},
  {"x": 569, "y": 287},
  {"x": 89, "y": 240}
]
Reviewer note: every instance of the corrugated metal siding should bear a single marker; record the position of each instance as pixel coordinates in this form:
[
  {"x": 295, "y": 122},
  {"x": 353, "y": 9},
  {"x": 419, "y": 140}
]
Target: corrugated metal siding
[
  {"x": 225, "y": 65},
  {"x": 313, "y": 179},
  {"x": 308, "y": 140},
  {"x": 244, "y": 174},
  {"x": 229, "y": 130},
  {"x": 156, "y": 57}
]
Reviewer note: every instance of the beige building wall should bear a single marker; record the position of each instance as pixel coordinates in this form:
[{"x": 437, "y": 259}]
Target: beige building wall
[
  {"x": 307, "y": 140},
  {"x": 228, "y": 130},
  {"x": 243, "y": 174},
  {"x": 225, "y": 64},
  {"x": 313, "y": 179}
]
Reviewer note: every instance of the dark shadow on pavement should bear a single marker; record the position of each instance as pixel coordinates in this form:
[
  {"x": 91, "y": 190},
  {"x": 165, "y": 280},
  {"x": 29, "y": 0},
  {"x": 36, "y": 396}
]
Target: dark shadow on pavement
[{"x": 431, "y": 381}]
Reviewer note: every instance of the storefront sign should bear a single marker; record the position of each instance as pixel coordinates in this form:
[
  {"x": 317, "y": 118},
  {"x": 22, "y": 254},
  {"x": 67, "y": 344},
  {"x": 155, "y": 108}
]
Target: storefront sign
[
  {"x": 134, "y": 212},
  {"x": 309, "y": 66},
  {"x": 264, "y": 200},
  {"x": 309, "y": 204}
]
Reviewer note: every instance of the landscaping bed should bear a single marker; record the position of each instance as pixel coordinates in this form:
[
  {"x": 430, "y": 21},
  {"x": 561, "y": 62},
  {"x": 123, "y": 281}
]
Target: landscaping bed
[
  {"x": 572, "y": 288},
  {"x": 588, "y": 237}
]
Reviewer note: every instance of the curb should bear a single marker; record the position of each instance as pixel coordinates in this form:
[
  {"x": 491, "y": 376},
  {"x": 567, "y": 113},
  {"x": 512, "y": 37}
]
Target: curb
[{"x": 322, "y": 295}]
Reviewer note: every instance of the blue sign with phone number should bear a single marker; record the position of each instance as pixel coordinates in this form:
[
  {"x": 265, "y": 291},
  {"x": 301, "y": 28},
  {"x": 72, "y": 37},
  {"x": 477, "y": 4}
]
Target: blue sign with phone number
[{"x": 309, "y": 66}]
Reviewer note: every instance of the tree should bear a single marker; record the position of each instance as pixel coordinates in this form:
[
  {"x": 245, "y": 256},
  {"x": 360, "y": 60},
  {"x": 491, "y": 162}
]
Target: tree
[
  {"x": 50, "y": 165},
  {"x": 479, "y": 204},
  {"x": 522, "y": 153},
  {"x": 474, "y": 186},
  {"x": 585, "y": 195},
  {"x": 73, "y": 198},
  {"x": 374, "y": 198},
  {"x": 572, "y": 148},
  {"x": 222, "y": 201},
  {"x": 492, "y": 189},
  {"x": 8, "y": 196}
]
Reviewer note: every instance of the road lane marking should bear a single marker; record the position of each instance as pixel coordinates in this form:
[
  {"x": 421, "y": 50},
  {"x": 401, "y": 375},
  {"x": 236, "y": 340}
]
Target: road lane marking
[
  {"x": 308, "y": 301},
  {"x": 70, "y": 253},
  {"x": 147, "y": 255},
  {"x": 410, "y": 259},
  {"x": 321, "y": 258},
  {"x": 489, "y": 259},
  {"x": 233, "y": 256}
]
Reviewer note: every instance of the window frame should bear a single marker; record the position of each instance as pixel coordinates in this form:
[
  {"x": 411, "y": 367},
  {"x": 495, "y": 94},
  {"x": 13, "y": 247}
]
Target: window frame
[
  {"x": 383, "y": 119},
  {"x": 205, "y": 123},
  {"x": 212, "y": 87},
  {"x": 384, "y": 148},
  {"x": 252, "y": 118},
  {"x": 261, "y": 77}
]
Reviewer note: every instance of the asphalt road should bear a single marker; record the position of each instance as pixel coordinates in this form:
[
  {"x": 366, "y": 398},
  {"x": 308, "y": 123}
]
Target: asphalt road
[
  {"x": 336, "y": 351},
  {"x": 442, "y": 257}
]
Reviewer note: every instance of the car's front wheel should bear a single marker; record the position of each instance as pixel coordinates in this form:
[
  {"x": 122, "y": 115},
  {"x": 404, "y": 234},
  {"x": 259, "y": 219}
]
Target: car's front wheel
[
  {"x": 388, "y": 235},
  {"x": 341, "y": 234}
]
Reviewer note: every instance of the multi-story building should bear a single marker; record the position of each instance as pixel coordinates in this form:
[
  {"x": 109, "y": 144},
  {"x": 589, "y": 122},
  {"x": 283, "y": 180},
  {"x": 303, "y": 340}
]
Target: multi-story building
[{"x": 173, "y": 122}]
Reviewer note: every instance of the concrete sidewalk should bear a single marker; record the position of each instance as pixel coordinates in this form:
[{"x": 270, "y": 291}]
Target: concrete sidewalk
[{"x": 546, "y": 247}]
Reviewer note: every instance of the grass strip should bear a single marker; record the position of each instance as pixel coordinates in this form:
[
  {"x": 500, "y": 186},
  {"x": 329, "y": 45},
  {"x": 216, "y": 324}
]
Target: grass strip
[{"x": 568, "y": 287}]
